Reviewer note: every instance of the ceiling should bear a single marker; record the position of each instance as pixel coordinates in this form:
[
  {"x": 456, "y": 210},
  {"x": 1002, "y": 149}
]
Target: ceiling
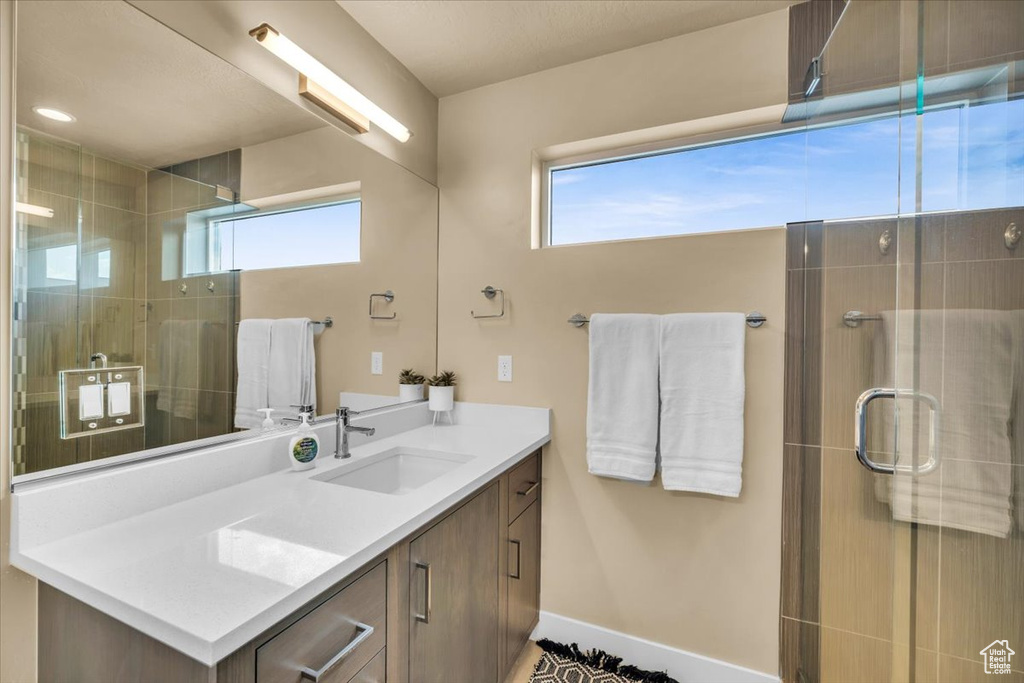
[
  {"x": 140, "y": 92},
  {"x": 457, "y": 45}
]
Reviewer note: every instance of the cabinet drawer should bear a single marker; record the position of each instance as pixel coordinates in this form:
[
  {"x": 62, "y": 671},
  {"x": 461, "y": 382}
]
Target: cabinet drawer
[
  {"x": 374, "y": 672},
  {"x": 523, "y": 486},
  {"x": 351, "y": 622}
]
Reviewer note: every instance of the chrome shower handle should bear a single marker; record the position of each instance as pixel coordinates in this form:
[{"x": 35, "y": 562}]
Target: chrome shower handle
[{"x": 860, "y": 432}]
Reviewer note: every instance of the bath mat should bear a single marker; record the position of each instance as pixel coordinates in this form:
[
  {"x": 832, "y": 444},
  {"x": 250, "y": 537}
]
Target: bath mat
[{"x": 567, "y": 664}]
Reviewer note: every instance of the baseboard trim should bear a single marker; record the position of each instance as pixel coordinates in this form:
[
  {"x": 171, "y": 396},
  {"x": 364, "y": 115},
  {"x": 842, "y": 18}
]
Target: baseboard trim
[{"x": 686, "y": 667}]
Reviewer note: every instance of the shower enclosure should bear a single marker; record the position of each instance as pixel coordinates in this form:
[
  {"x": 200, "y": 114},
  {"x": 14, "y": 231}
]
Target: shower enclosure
[
  {"x": 903, "y": 539},
  {"x": 100, "y": 251}
]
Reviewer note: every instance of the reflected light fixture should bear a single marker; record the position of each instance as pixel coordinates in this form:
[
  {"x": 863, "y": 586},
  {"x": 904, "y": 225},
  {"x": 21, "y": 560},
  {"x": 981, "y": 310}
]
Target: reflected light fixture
[
  {"x": 54, "y": 114},
  {"x": 321, "y": 85},
  {"x": 33, "y": 210}
]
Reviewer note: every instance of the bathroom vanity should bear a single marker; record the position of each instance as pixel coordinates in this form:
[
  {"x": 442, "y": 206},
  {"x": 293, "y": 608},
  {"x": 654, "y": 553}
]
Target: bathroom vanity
[{"x": 418, "y": 559}]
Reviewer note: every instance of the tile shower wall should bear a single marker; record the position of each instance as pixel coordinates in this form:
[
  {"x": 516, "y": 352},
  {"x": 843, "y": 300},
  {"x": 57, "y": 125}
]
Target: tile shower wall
[
  {"x": 131, "y": 222},
  {"x": 190, "y": 329},
  {"x": 847, "y": 595}
]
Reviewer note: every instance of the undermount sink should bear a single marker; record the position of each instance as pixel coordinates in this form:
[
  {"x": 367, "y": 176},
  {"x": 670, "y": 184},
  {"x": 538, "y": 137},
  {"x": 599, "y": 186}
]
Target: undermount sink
[{"x": 396, "y": 471}]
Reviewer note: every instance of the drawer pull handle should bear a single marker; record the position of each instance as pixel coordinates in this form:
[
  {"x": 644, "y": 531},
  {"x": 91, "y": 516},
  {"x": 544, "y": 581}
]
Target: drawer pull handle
[
  {"x": 428, "y": 593},
  {"x": 530, "y": 489},
  {"x": 365, "y": 631},
  {"x": 519, "y": 560}
]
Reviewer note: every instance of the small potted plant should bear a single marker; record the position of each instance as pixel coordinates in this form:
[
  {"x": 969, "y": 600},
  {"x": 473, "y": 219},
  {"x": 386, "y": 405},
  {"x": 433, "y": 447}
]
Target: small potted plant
[
  {"x": 442, "y": 391},
  {"x": 410, "y": 386}
]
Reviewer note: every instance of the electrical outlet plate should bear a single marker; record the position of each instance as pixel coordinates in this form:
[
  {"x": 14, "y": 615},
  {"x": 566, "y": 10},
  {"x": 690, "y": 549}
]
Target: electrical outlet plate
[
  {"x": 377, "y": 363},
  {"x": 504, "y": 368}
]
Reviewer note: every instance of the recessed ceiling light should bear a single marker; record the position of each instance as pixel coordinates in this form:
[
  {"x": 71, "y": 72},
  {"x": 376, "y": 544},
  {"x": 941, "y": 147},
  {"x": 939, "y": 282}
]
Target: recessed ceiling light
[{"x": 55, "y": 114}]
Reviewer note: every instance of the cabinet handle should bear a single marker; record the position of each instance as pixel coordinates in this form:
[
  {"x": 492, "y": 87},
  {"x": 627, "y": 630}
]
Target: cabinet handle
[
  {"x": 519, "y": 560},
  {"x": 365, "y": 631},
  {"x": 533, "y": 487},
  {"x": 428, "y": 590}
]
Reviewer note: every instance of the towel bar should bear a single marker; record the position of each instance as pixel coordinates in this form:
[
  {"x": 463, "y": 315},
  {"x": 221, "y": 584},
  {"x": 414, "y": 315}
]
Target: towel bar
[
  {"x": 754, "y": 319},
  {"x": 328, "y": 321}
]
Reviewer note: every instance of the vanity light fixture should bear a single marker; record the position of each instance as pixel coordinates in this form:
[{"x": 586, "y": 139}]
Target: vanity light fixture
[
  {"x": 33, "y": 210},
  {"x": 324, "y": 87},
  {"x": 54, "y": 114}
]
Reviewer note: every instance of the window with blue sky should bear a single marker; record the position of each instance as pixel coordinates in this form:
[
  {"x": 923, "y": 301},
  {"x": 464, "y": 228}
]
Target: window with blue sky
[
  {"x": 323, "y": 234},
  {"x": 972, "y": 158}
]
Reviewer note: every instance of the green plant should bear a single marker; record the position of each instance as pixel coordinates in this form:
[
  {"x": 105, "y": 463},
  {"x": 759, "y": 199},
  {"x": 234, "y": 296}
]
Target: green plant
[
  {"x": 410, "y": 376},
  {"x": 445, "y": 379}
]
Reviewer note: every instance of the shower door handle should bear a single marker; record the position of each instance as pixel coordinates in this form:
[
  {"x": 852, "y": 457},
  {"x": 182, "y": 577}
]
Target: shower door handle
[{"x": 860, "y": 433}]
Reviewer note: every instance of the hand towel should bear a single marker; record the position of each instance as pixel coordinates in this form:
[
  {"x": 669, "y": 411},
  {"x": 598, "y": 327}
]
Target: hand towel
[
  {"x": 253, "y": 372},
  {"x": 292, "y": 367},
  {"x": 702, "y": 393},
  {"x": 966, "y": 359},
  {"x": 622, "y": 397}
]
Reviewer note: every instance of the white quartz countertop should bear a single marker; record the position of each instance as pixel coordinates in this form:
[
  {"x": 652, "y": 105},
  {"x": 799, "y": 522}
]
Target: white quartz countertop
[{"x": 207, "y": 574}]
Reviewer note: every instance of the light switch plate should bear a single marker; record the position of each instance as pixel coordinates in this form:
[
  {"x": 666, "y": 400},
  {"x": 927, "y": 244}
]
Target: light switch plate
[
  {"x": 504, "y": 368},
  {"x": 377, "y": 363}
]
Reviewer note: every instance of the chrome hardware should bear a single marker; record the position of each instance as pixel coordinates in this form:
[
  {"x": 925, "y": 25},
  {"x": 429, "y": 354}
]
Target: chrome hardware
[
  {"x": 532, "y": 487},
  {"x": 1012, "y": 236},
  {"x": 860, "y": 432},
  {"x": 342, "y": 429},
  {"x": 519, "y": 560},
  {"x": 101, "y": 357},
  {"x": 884, "y": 242},
  {"x": 490, "y": 293},
  {"x": 365, "y": 631},
  {"x": 755, "y": 319},
  {"x": 855, "y": 318},
  {"x": 428, "y": 591},
  {"x": 388, "y": 296},
  {"x": 325, "y": 323},
  {"x": 308, "y": 410},
  {"x": 210, "y": 286},
  {"x": 183, "y": 288}
]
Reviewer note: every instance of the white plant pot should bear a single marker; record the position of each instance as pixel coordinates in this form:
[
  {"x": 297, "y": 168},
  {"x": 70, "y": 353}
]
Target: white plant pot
[
  {"x": 442, "y": 399},
  {"x": 410, "y": 392}
]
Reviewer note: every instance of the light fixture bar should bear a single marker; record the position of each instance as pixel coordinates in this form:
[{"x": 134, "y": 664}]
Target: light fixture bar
[
  {"x": 33, "y": 210},
  {"x": 321, "y": 96},
  {"x": 307, "y": 65}
]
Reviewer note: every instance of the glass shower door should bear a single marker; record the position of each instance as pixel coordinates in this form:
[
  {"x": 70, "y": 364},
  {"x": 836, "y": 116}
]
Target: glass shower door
[{"x": 920, "y": 349}]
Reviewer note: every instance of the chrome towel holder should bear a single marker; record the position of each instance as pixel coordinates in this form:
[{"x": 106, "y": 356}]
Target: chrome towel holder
[
  {"x": 388, "y": 296},
  {"x": 755, "y": 319},
  {"x": 490, "y": 293}
]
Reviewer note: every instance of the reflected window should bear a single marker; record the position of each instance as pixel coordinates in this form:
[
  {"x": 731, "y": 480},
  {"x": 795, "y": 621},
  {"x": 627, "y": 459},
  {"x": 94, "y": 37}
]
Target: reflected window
[
  {"x": 62, "y": 264},
  {"x": 257, "y": 240}
]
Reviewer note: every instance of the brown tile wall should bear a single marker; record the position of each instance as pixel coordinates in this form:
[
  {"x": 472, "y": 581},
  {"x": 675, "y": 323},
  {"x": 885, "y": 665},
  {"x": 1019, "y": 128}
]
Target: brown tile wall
[{"x": 847, "y": 563}]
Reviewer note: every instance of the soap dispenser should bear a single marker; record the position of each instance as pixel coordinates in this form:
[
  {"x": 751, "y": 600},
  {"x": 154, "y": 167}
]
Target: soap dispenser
[
  {"x": 268, "y": 422},
  {"x": 304, "y": 446}
]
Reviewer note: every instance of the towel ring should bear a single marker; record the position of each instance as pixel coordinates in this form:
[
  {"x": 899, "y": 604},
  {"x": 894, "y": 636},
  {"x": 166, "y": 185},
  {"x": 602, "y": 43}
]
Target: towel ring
[
  {"x": 490, "y": 293},
  {"x": 388, "y": 296}
]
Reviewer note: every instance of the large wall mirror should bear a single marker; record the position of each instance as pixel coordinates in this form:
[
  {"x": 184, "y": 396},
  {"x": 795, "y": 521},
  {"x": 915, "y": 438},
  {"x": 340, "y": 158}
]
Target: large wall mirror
[{"x": 174, "y": 218}]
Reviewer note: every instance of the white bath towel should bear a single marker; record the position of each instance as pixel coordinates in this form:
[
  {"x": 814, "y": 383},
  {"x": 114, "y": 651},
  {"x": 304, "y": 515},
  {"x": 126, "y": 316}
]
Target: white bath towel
[
  {"x": 966, "y": 359},
  {"x": 178, "y": 359},
  {"x": 292, "y": 372},
  {"x": 622, "y": 398},
  {"x": 702, "y": 393},
  {"x": 253, "y": 372}
]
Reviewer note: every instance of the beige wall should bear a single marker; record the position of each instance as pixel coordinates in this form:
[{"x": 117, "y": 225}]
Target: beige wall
[
  {"x": 398, "y": 252},
  {"x": 696, "y": 572},
  {"x": 17, "y": 590},
  {"x": 331, "y": 35}
]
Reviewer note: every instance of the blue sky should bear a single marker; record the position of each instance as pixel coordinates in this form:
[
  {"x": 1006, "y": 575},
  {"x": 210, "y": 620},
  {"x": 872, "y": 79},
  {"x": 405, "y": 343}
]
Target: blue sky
[
  {"x": 327, "y": 234},
  {"x": 972, "y": 158}
]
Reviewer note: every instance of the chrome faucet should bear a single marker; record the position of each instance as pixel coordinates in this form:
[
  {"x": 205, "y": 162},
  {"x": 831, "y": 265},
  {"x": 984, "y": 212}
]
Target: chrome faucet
[
  {"x": 342, "y": 429},
  {"x": 308, "y": 410}
]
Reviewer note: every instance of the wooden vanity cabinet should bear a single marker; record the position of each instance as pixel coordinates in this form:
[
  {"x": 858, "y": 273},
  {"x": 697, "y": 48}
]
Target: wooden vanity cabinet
[{"x": 454, "y": 602}]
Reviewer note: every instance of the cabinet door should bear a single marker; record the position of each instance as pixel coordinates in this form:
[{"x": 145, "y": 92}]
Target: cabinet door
[
  {"x": 523, "y": 578},
  {"x": 454, "y": 596}
]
